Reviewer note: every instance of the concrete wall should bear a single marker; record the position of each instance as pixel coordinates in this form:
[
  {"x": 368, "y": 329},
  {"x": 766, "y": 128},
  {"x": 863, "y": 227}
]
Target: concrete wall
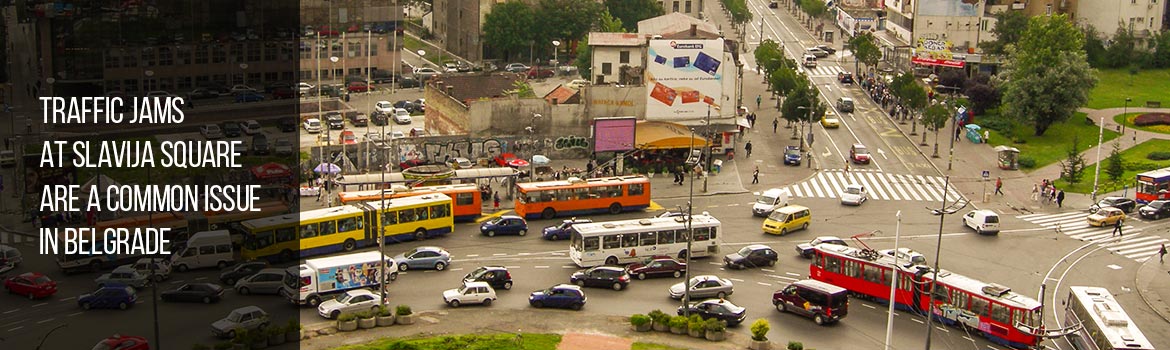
[
  {"x": 1144, "y": 17},
  {"x": 600, "y": 101},
  {"x": 612, "y": 55}
]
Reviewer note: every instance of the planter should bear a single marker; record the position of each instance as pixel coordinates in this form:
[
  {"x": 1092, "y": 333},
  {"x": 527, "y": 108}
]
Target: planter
[
  {"x": 347, "y": 326},
  {"x": 694, "y": 333},
  {"x": 276, "y": 339},
  {"x": 715, "y": 336},
  {"x": 238, "y": 346},
  {"x": 760, "y": 345},
  {"x": 650, "y": 174},
  {"x": 643, "y": 328},
  {"x": 385, "y": 321},
  {"x": 678, "y": 330},
  {"x": 661, "y": 327},
  {"x": 261, "y": 343},
  {"x": 404, "y": 319},
  {"x": 292, "y": 337},
  {"x": 367, "y": 323}
]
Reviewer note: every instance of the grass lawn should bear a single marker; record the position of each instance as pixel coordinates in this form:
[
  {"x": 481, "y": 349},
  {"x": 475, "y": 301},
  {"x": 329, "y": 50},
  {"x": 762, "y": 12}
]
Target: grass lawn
[
  {"x": 526, "y": 341},
  {"x": 1135, "y": 162},
  {"x": 1053, "y": 146},
  {"x": 1127, "y": 120},
  {"x": 1114, "y": 85},
  {"x": 413, "y": 45}
]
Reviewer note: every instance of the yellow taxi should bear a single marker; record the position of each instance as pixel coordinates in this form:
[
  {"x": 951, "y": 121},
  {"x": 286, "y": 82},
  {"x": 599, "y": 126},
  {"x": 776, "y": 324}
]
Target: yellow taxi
[
  {"x": 1106, "y": 216},
  {"x": 829, "y": 120}
]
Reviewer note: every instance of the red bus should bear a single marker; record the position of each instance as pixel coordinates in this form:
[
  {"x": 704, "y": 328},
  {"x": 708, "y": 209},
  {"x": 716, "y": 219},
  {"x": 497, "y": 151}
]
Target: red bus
[
  {"x": 1152, "y": 185},
  {"x": 468, "y": 205},
  {"x": 577, "y": 196},
  {"x": 960, "y": 301}
]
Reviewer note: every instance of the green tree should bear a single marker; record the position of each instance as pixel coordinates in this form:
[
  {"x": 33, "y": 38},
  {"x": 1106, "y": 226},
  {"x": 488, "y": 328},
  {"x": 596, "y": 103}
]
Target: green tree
[
  {"x": 739, "y": 11},
  {"x": 1160, "y": 58},
  {"x": 630, "y": 12},
  {"x": 1114, "y": 166},
  {"x": 522, "y": 89},
  {"x": 768, "y": 56},
  {"x": 912, "y": 95},
  {"x": 803, "y": 103},
  {"x": 934, "y": 118},
  {"x": 1046, "y": 77},
  {"x": 1122, "y": 52},
  {"x": 982, "y": 94},
  {"x": 1073, "y": 165},
  {"x": 508, "y": 28},
  {"x": 813, "y": 8},
  {"x": 608, "y": 23},
  {"x": 1009, "y": 26},
  {"x": 584, "y": 60},
  {"x": 1095, "y": 51},
  {"x": 865, "y": 49},
  {"x": 567, "y": 21}
]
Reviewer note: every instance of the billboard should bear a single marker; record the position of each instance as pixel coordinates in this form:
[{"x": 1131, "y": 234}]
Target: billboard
[
  {"x": 614, "y": 134},
  {"x": 935, "y": 52},
  {"x": 684, "y": 78},
  {"x": 948, "y": 8}
]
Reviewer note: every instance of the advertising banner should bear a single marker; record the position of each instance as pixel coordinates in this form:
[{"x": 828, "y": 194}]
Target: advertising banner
[
  {"x": 935, "y": 52},
  {"x": 614, "y": 134},
  {"x": 684, "y": 78}
]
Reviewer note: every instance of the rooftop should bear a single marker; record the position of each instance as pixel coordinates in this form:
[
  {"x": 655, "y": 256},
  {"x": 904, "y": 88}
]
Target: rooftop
[
  {"x": 616, "y": 39},
  {"x": 467, "y": 88},
  {"x": 673, "y": 23}
]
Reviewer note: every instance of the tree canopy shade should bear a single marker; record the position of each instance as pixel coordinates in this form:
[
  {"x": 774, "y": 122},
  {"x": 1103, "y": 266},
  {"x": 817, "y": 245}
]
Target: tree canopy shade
[
  {"x": 508, "y": 28},
  {"x": 607, "y": 23},
  {"x": 1009, "y": 26},
  {"x": 908, "y": 91},
  {"x": 1046, "y": 77},
  {"x": 566, "y": 20},
  {"x": 800, "y": 99},
  {"x": 739, "y": 11},
  {"x": 630, "y": 12}
]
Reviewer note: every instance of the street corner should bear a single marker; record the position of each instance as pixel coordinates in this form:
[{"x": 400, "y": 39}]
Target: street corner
[{"x": 1152, "y": 281}]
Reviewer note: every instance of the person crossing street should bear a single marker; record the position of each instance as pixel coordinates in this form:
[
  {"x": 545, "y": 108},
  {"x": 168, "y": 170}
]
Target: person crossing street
[
  {"x": 748, "y": 147},
  {"x": 775, "y": 123},
  {"x": 756, "y": 175}
]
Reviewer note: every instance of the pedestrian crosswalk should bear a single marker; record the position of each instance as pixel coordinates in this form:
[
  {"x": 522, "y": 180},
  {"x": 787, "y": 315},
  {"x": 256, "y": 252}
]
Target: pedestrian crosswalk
[
  {"x": 1132, "y": 244},
  {"x": 12, "y": 238},
  {"x": 822, "y": 71},
  {"x": 879, "y": 186}
]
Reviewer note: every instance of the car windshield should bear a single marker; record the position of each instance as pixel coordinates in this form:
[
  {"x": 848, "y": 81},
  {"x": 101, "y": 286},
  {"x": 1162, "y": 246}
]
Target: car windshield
[
  {"x": 41, "y": 280},
  {"x": 344, "y": 298},
  {"x": 766, "y": 200},
  {"x": 792, "y": 151},
  {"x": 478, "y": 272},
  {"x": 235, "y": 316},
  {"x": 495, "y": 221},
  {"x": 852, "y": 190},
  {"x": 1158, "y": 204},
  {"x": 745, "y": 251},
  {"x": 860, "y": 150},
  {"x": 777, "y": 216}
]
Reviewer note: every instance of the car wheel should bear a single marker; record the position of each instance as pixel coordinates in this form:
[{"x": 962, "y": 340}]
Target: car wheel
[
  {"x": 491, "y": 233},
  {"x": 783, "y": 231},
  {"x": 123, "y": 305},
  {"x": 335, "y": 314},
  {"x": 641, "y": 275},
  {"x": 86, "y": 306},
  {"x": 181, "y": 268},
  {"x": 617, "y": 286},
  {"x": 440, "y": 266},
  {"x": 229, "y": 281},
  {"x": 523, "y": 232},
  {"x": 804, "y": 226},
  {"x": 820, "y": 319},
  {"x": 207, "y": 300},
  {"x": 577, "y": 306},
  {"x": 721, "y": 295},
  {"x": 771, "y": 262},
  {"x": 677, "y": 274},
  {"x": 537, "y": 304},
  {"x": 403, "y": 267},
  {"x": 487, "y": 302},
  {"x": 158, "y": 278},
  {"x": 314, "y": 300},
  {"x": 781, "y": 307},
  {"x": 231, "y": 334},
  {"x": 615, "y": 208},
  {"x": 243, "y": 291},
  {"x": 613, "y": 260},
  {"x": 548, "y": 213},
  {"x": 682, "y": 254},
  {"x": 508, "y": 285},
  {"x": 553, "y": 237},
  {"x": 221, "y": 264}
]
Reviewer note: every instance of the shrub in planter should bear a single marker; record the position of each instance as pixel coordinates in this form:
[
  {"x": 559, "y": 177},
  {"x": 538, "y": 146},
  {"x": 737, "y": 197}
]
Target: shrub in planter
[
  {"x": 660, "y": 320},
  {"x": 715, "y": 330},
  {"x": 1158, "y": 155},
  {"x": 366, "y": 320},
  {"x": 384, "y": 316},
  {"x": 292, "y": 331},
  {"x": 275, "y": 335},
  {"x": 795, "y": 345},
  {"x": 760, "y": 330},
  {"x": 678, "y": 325},
  {"x": 258, "y": 339},
  {"x": 347, "y": 323},
  {"x": 695, "y": 326},
  {"x": 640, "y": 322},
  {"x": 404, "y": 315}
]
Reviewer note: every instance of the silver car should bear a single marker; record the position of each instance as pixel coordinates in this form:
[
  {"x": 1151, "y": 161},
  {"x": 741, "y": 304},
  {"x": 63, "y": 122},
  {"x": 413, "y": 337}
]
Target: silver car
[
  {"x": 267, "y": 281},
  {"x": 244, "y": 318},
  {"x": 705, "y": 286},
  {"x": 125, "y": 275}
]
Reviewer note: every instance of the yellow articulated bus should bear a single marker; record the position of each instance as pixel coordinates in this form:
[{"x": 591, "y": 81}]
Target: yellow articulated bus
[{"x": 347, "y": 227}]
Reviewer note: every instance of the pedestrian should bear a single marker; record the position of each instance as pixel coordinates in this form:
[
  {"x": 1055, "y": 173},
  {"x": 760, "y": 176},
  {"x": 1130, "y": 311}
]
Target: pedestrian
[
  {"x": 748, "y": 147},
  {"x": 1060, "y": 199},
  {"x": 1162, "y": 254},
  {"x": 957, "y": 133},
  {"x": 1117, "y": 229},
  {"x": 775, "y": 123},
  {"x": 1035, "y": 192},
  {"x": 999, "y": 185},
  {"x": 496, "y": 201},
  {"x": 756, "y": 175},
  {"x": 986, "y": 136},
  {"x": 759, "y": 99}
]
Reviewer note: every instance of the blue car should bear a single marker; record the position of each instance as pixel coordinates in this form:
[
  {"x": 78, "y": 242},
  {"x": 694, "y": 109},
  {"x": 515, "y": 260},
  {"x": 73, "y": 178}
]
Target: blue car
[
  {"x": 504, "y": 225},
  {"x": 109, "y": 297},
  {"x": 423, "y": 258},
  {"x": 249, "y": 97},
  {"x": 561, "y": 231},
  {"x": 791, "y": 155},
  {"x": 561, "y": 296}
]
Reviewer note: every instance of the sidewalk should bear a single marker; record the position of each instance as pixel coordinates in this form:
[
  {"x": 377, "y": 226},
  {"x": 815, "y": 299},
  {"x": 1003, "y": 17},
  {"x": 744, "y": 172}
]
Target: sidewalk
[{"x": 1153, "y": 285}]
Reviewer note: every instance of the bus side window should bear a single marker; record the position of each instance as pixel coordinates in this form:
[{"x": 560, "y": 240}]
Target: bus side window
[
  {"x": 564, "y": 194},
  {"x": 406, "y": 215},
  {"x": 581, "y": 193},
  {"x": 328, "y": 227},
  {"x": 286, "y": 234},
  {"x": 439, "y": 211},
  {"x": 467, "y": 198},
  {"x": 349, "y": 224},
  {"x": 308, "y": 230},
  {"x": 389, "y": 218},
  {"x": 665, "y": 237},
  {"x": 591, "y": 243},
  {"x": 611, "y": 241},
  {"x": 680, "y": 235},
  {"x": 648, "y": 238},
  {"x": 629, "y": 240},
  {"x": 636, "y": 189},
  {"x": 422, "y": 213},
  {"x": 702, "y": 234}
]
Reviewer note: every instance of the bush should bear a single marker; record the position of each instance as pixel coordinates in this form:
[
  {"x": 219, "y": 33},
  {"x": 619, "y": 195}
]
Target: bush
[
  {"x": 678, "y": 322},
  {"x": 347, "y": 317},
  {"x": 639, "y": 320},
  {"x": 1158, "y": 155},
  {"x": 1142, "y": 166},
  {"x": 384, "y": 311},
  {"x": 401, "y": 345},
  {"x": 1027, "y": 162},
  {"x": 364, "y": 314},
  {"x": 242, "y": 337},
  {"x": 695, "y": 323},
  {"x": 659, "y": 317},
  {"x": 760, "y": 330},
  {"x": 795, "y": 345},
  {"x": 1150, "y": 119},
  {"x": 292, "y": 326},
  {"x": 403, "y": 310},
  {"x": 714, "y": 325}
]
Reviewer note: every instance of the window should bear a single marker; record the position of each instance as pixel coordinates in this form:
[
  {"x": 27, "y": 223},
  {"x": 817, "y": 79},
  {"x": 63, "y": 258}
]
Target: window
[
  {"x": 941, "y": 293},
  {"x": 648, "y": 238},
  {"x": 406, "y": 215},
  {"x": 422, "y": 213},
  {"x": 872, "y": 273},
  {"x": 349, "y": 224},
  {"x": 979, "y": 306},
  {"x": 223, "y": 248},
  {"x": 624, "y": 57},
  {"x": 675, "y": 7},
  {"x": 1000, "y": 313},
  {"x": 680, "y": 236},
  {"x": 665, "y": 237},
  {"x": 688, "y": 6},
  {"x": 702, "y": 234},
  {"x": 328, "y": 227},
  {"x": 308, "y": 230},
  {"x": 960, "y": 300},
  {"x": 636, "y": 189},
  {"x": 607, "y": 68},
  {"x": 833, "y": 264},
  {"x": 611, "y": 242},
  {"x": 465, "y": 198},
  {"x": 389, "y": 218},
  {"x": 852, "y": 268},
  {"x": 590, "y": 244},
  {"x": 286, "y": 234},
  {"x": 629, "y": 240},
  {"x": 440, "y": 211}
]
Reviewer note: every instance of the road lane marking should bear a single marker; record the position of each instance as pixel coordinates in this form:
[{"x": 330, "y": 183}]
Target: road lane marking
[
  {"x": 46, "y": 320},
  {"x": 499, "y": 254},
  {"x": 735, "y": 279},
  {"x": 917, "y": 320},
  {"x": 11, "y": 311},
  {"x": 200, "y": 278},
  {"x": 523, "y": 254},
  {"x": 41, "y": 304},
  {"x": 13, "y": 329},
  {"x": 457, "y": 269},
  {"x": 541, "y": 267},
  {"x": 869, "y": 306},
  {"x": 568, "y": 267},
  {"x": 472, "y": 255},
  {"x": 512, "y": 267},
  {"x": 67, "y": 299},
  {"x": 764, "y": 284},
  {"x": 768, "y": 270},
  {"x": 792, "y": 274},
  {"x": 654, "y": 206},
  {"x": 74, "y": 314}
]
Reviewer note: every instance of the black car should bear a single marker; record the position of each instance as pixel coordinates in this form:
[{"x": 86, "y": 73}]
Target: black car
[
  {"x": 379, "y": 118},
  {"x": 260, "y": 145},
  {"x": 828, "y": 49},
  {"x": 202, "y": 93},
  {"x": 408, "y": 82},
  {"x": 718, "y": 309},
  {"x": 773, "y": 4},
  {"x": 359, "y": 119},
  {"x": 232, "y": 129},
  {"x": 407, "y": 105},
  {"x": 845, "y": 77},
  {"x": 1125, "y": 204},
  {"x": 602, "y": 276},
  {"x": 496, "y": 276},
  {"x": 334, "y": 120},
  {"x": 206, "y": 293},
  {"x": 288, "y": 124},
  {"x": 235, "y": 273},
  {"x": 1155, "y": 210},
  {"x": 277, "y": 85},
  {"x": 754, "y": 255}
]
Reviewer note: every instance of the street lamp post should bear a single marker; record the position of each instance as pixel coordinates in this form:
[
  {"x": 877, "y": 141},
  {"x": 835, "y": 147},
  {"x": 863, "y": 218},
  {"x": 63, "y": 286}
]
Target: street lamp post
[
  {"x": 244, "y": 73},
  {"x": 1124, "y": 111},
  {"x": 942, "y": 213},
  {"x": 686, "y": 299},
  {"x": 1097, "y": 171},
  {"x": 893, "y": 283},
  {"x": 556, "y": 46},
  {"x": 422, "y": 55},
  {"x": 954, "y": 127}
]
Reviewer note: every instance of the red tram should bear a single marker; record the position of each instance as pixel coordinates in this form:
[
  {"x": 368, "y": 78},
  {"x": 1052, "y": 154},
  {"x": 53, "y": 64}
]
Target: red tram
[{"x": 960, "y": 301}]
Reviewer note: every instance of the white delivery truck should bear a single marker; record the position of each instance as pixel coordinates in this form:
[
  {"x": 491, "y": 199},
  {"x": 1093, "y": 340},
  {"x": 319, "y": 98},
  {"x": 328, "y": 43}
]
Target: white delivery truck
[
  {"x": 312, "y": 281},
  {"x": 205, "y": 249}
]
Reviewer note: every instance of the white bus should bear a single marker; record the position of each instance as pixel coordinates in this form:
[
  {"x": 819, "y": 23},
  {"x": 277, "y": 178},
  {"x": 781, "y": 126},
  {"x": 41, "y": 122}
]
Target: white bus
[
  {"x": 626, "y": 241},
  {"x": 1105, "y": 326}
]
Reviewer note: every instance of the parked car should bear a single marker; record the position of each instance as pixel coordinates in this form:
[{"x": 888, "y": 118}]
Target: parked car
[
  {"x": 124, "y": 275},
  {"x": 806, "y": 249},
  {"x": 260, "y": 145},
  {"x": 335, "y": 120},
  {"x": 827, "y": 48},
  {"x": 516, "y": 67},
  {"x": 312, "y": 125},
  {"x": 232, "y": 129},
  {"x": 305, "y": 89},
  {"x": 123, "y": 342},
  {"x": 823, "y": 302},
  {"x": 266, "y": 281},
  {"x": 250, "y": 126},
  {"x": 379, "y": 118},
  {"x": 359, "y": 119},
  {"x": 244, "y": 97},
  {"x": 31, "y": 284},
  {"x": 348, "y": 138},
  {"x": 357, "y": 86},
  {"x": 354, "y": 300},
  {"x": 858, "y": 154},
  {"x": 384, "y": 107},
  {"x": 576, "y": 84},
  {"x": 408, "y": 82},
  {"x": 287, "y": 124},
  {"x": 601, "y": 276},
  {"x": 718, "y": 309},
  {"x": 206, "y": 293},
  {"x": 470, "y": 293},
  {"x": 559, "y": 296},
  {"x": 450, "y": 67},
  {"x": 283, "y": 93},
  {"x": 540, "y": 73},
  {"x": 704, "y": 286},
  {"x": 845, "y": 104},
  {"x": 1106, "y": 216},
  {"x": 561, "y": 231},
  {"x": 773, "y": 4},
  {"x": 854, "y": 194},
  {"x": 401, "y": 116},
  {"x": 244, "y": 318},
  {"x": 202, "y": 93},
  {"x": 240, "y": 88},
  {"x": 425, "y": 73},
  {"x": 657, "y": 266},
  {"x": 232, "y": 274},
  {"x": 1125, "y": 204},
  {"x": 507, "y": 225},
  {"x": 409, "y": 106},
  {"x": 755, "y": 255},
  {"x": 504, "y": 158},
  {"x": 496, "y": 276},
  {"x": 211, "y": 131},
  {"x": 423, "y": 258},
  {"x": 1155, "y": 210},
  {"x": 409, "y": 163},
  {"x": 109, "y": 297},
  {"x": 792, "y": 155}
]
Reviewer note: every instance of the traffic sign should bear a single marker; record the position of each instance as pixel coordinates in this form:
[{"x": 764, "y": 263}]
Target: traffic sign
[{"x": 986, "y": 174}]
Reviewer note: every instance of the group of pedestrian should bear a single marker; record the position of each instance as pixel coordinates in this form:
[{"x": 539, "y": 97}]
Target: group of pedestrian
[{"x": 1046, "y": 192}]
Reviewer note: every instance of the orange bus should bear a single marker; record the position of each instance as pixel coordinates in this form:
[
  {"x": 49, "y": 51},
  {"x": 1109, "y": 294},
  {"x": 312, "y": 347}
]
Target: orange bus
[
  {"x": 467, "y": 203},
  {"x": 577, "y": 196}
]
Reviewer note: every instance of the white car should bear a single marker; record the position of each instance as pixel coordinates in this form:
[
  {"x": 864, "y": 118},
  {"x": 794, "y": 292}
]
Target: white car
[
  {"x": 470, "y": 293},
  {"x": 351, "y": 301},
  {"x": 983, "y": 221},
  {"x": 211, "y": 131},
  {"x": 461, "y": 163},
  {"x": 305, "y": 88},
  {"x": 854, "y": 194},
  {"x": 161, "y": 268},
  {"x": 577, "y": 84},
  {"x": 372, "y": 136},
  {"x": 450, "y": 67},
  {"x": 312, "y": 125},
  {"x": 394, "y": 135},
  {"x": 240, "y": 88},
  {"x": 251, "y": 127},
  {"x": 384, "y": 107},
  {"x": 818, "y": 52},
  {"x": 283, "y": 147},
  {"x": 401, "y": 116}
]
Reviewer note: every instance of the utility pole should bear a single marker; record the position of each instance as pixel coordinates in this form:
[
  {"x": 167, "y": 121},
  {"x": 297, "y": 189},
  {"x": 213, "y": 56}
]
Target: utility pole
[{"x": 942, "y": 213}]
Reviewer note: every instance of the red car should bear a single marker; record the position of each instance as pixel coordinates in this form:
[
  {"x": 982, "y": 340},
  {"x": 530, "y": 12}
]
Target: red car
[
  {"x": 348, "y": 138},
  {"x": 411, "y": 163},
  {"x": 504, "y": 158},
  {"x": 123, "y": 342},
  {"x": 282, "y": 93},
  {"x": 325, "y": 31},
  {"x": 538, "y": 72},
  {"x": 657, "y": 266},
  {"x": 358, "y": 86},
  {"x": 31, "y": 284}
]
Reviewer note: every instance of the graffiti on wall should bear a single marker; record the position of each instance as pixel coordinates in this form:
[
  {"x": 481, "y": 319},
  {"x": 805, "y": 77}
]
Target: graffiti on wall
[
  {"x": 571, "y": 142},
  {"x": 440, "y": 150}
]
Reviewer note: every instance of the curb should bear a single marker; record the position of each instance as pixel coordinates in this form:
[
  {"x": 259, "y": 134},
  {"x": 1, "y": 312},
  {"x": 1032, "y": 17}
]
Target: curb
[{"x": 1137, "y": 284}]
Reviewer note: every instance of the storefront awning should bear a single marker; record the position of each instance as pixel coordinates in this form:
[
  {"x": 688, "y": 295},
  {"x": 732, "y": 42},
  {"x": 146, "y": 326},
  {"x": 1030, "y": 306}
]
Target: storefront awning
[{"x": 665, "y": 135}]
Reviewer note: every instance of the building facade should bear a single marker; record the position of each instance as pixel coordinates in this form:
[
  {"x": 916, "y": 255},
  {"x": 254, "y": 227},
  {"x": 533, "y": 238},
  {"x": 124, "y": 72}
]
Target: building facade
[{"x": 693, "y": 8}]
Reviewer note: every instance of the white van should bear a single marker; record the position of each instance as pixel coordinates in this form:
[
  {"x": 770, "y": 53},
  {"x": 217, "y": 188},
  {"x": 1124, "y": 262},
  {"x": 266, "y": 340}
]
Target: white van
[
  {"x": 769, "y": 201},
  {"x": 983, "y": 221},
  {"x": 9, "y": 258},
  {"x": 205, "y": 249}
]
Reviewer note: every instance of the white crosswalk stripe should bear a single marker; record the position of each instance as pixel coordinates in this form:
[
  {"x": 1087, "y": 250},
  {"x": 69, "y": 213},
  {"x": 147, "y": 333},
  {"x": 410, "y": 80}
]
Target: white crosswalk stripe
[
  {"x": 1133, "y": 244},
  {"x": 12, "y": 238},
  {"x": 880, "y": 186},
  {"x": 822, "y": 71}
]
